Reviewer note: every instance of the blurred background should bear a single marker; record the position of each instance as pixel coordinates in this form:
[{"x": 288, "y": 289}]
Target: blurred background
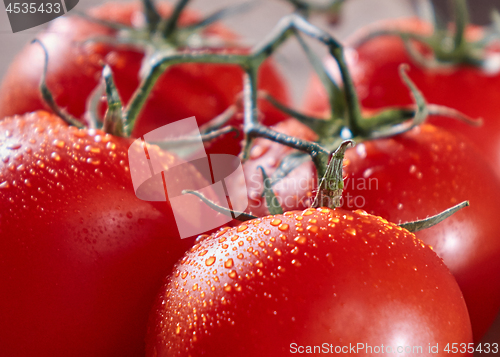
[{"x": 260, "y": 19}]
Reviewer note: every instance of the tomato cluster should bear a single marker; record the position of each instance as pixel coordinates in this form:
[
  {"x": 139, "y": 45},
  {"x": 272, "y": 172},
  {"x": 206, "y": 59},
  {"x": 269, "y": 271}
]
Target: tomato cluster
[{"x": 87, "y": 268}]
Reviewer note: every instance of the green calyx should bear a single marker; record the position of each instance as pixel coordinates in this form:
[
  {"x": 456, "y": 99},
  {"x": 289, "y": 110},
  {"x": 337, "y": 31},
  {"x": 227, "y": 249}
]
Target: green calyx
[
  {"x": 448, "y": 45},
  {"x": 161, "y": 34}
]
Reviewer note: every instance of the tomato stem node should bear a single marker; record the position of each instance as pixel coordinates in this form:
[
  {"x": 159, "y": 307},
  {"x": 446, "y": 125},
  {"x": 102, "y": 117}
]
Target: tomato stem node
[
  {"x": 330, "y": 188},
  {"x": 112, "y": 123}
]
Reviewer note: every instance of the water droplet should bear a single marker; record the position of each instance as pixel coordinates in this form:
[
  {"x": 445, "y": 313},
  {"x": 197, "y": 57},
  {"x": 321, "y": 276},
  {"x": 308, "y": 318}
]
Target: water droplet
[
  {"x": 203, "y": 253},
  {"x": 241, "y": 228},
  {"x": 296, "y": 263},
  {"x": 228, "y": 263},
  {"x": 129, "y": 214},
  {"x": 367, "y": 173},
  {"x": 276, "y": 222},
  {"x": 4, "y": 184},
  {"x": 312, "y": 229},
  {"x": 351, "y": 231},
  {"x": 361, "y": 150},
  {"x": 283, "y": 227},
  {"x": 300, "y": 240},
  {"x": 184, "y": 275},
  {"x": 240, "y": 256},
  {"x": 210, "y": 261},
  {"x": 92, "y": 149},
  {"x": 267, "y": 232},
  {"x": 227, "y": 287},
  {"x": 93, "y": 161},
  {"x": 14, "y": 146},
  {"x": 58, "y": 143},
  {"x": 178, "y": 329}
]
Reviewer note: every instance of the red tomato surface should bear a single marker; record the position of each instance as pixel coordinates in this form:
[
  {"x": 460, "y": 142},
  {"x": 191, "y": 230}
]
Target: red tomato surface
[
  {"x": 471, "y": 90},
  {"x": 319, "y": 277},
  {"x": 409, "y": 177},
  {"x": 422, "y": 173},
  {"x": 81, "y": 257},
  {"x": 200, "y": 90}
]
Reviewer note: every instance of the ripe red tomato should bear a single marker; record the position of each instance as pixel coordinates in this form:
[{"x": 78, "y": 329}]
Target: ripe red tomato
[
  {"x": 405, "y": 178},
  {"x": 321, "y": 277},
  {"x": 471, "y": 90},
  {"x": 422, "y": 173},
  {"x": 200, "y": 90},
  {"x": 81, "y": 257}
]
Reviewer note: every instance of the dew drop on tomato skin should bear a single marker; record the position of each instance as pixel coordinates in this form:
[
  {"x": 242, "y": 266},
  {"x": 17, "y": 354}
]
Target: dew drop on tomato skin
[
  {"x": 54, "y": 181},
  {"x": 453, "y": 172},
  {"x": 265, "y": 291}
]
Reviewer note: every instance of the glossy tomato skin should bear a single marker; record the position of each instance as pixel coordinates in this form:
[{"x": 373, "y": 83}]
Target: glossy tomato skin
[
  {"x": 422, "y": 173},
  {"x": 471, "y": 90},
  {"x": 307, "y": 278},
  {"x": 75, "y": 65},
  {"x": 81, "y": 257},
  {"x": 409, "y": 177}
]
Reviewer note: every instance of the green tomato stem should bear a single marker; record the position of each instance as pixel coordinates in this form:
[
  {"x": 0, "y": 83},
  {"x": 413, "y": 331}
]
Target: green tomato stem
[
  {"x": 419, "y": 225},
  {"x": 47, "y": 94},
  {"x": 153, "y": 18},
  {"x": 113, "y": 123},
  {"x": 170, "y": 25},
  {"x": 332, "y": 183},
  {"x": 241, "y": 216}
]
